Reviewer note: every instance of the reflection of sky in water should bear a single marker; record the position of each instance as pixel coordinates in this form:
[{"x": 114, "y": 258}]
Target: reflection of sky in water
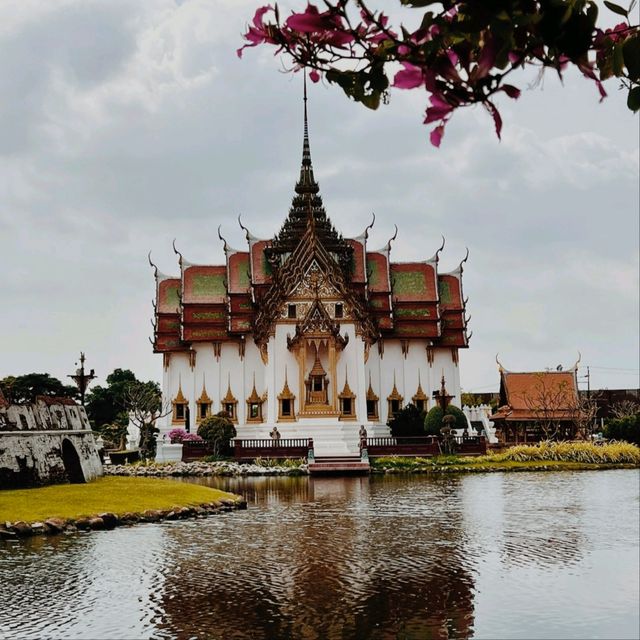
[{"x": 489, "y": 556}]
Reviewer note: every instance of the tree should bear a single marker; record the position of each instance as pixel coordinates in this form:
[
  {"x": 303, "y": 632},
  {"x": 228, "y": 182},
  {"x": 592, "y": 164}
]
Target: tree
[
  {"x": 109, "y": 404},
  {"x": 144, "y": 403},
  {"x": 625, "y": 409},
  {"x": 217, "y": 431},
  {"x": 24, "y": 389},
  {"x": 434, "y": 420},
  {"x": 624, "y": 428},
  {"x": 555, "y": 406},
  {"x": 125, "y": 399},
  {"x": 409, "y": 421},
  {"x": 461, "y": 52}
]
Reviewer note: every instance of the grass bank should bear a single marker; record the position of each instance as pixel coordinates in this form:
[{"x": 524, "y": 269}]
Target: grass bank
[
  {"x": 546, "y": 456},
  {"x": 118, "y": 495}
]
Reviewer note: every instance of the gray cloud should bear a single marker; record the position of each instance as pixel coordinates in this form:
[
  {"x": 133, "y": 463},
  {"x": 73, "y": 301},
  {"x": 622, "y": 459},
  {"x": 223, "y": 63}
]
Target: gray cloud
[{"x": 128, "y": 123}]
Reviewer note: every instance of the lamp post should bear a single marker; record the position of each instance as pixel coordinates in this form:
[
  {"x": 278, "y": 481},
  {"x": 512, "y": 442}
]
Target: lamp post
[{"x": 82, "y": 379}]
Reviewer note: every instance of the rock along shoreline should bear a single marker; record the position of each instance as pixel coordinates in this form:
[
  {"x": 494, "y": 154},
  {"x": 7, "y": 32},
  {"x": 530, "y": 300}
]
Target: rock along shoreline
[
  {"x": 108, "y": 520},
  {"x": 196, "y": 468}
]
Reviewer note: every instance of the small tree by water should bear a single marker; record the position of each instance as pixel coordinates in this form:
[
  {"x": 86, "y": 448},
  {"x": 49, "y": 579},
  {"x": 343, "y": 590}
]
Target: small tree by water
[{"x": 217, "y": 431}]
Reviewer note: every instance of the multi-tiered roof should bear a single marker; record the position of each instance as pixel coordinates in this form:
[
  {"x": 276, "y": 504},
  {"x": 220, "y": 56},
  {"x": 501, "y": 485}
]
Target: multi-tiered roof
[{"x": 243, "y": 297}]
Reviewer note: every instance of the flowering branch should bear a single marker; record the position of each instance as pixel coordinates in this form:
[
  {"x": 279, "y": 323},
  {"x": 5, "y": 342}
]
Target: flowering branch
[{"x": 461, "y": 53}]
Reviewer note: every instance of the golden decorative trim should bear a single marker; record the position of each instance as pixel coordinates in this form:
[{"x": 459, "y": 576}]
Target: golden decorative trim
[
  {"x": 286, "y": 394},
  {"x": 372, "y": 397},
  {"x": 254, "y": 400},
  {"x": 394, "y": 396},
  {"x": 420, "y": 395},
  {"x": 179, "y": 400},
  {"x": 230, "y": 399},
  {"x": 347, "y": 394}
]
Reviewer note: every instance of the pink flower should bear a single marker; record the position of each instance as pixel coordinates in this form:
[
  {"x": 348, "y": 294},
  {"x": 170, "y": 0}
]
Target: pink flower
[
  {"x": 409, "y": 78},
  {"x": 436, "y": 135},
  {"x": 511, "y": 91},
  {"x": 257, "y": 33},
  {"x": 310, "y": 21},
  {"x": 439, "y": 109}
]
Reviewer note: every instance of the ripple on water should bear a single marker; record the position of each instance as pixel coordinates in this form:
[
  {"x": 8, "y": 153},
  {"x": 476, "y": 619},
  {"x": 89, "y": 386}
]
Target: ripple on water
[{"x": 347, "y": 558}]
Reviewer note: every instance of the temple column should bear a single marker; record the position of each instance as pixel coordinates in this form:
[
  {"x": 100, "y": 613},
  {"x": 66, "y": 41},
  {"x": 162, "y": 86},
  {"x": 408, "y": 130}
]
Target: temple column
[
  {"x": 360, "y": 381},
  {"x": 270, "y": 382},
  {"x": 334, "y": 374}
]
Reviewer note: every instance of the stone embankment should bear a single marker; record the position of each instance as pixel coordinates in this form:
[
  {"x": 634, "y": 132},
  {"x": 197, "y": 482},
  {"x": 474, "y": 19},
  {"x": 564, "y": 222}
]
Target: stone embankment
[
  {"x": 106, "y": 521},
  {"x": 222, "y": 468}
]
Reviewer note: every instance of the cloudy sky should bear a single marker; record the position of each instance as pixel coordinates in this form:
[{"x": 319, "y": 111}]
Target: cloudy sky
[{"x": 126, "y": 123}]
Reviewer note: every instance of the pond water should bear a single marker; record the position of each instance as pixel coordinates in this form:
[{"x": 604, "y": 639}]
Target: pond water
[{"x": 520, "y": 555}]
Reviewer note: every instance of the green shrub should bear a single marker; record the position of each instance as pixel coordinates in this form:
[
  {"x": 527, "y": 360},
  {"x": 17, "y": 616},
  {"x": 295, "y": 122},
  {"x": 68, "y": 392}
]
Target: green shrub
[
  {"x": 217, "y": 431},
  {"x": 626, "y": 428},
  {"x": 409, "y": 421},
  {"x": 433, "y": 419}
]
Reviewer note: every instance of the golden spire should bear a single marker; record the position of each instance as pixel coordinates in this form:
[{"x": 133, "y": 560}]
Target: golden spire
[
  {"x": 180, "y": 399},
  {"x": 204, "y": 397},
  {"x": 229, "y": 398},
  {"x": 254, "y": 397},
  {"x": 370, "y": 393}
]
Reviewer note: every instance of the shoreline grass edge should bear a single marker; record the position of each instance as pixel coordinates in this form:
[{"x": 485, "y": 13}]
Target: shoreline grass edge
[{"x": 107, "y": 503}]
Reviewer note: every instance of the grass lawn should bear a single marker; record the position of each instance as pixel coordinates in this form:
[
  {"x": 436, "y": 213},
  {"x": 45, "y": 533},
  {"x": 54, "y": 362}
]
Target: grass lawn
[{"x": 113, "y": 494}]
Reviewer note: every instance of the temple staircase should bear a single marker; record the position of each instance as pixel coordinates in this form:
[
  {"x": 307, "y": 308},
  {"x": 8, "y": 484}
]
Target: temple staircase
[
  {"x": 338, "y": 465},
  {"x": 338, "y": 440}
]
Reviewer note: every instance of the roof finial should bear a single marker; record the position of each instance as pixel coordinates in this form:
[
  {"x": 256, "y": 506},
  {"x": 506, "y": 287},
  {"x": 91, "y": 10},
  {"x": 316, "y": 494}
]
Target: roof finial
[
  {"x": 307, "y": 183},
  {"x": 304, "y": 99}
]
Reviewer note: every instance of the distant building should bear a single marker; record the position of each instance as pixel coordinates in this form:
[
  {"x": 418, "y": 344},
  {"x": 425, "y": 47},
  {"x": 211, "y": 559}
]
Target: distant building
[
  {"x": 308, "y": 330},
  {"x": 537, "y": 405}
]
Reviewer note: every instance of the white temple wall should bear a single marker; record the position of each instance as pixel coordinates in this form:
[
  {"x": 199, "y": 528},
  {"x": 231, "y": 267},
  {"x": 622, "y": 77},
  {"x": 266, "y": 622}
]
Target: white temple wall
[
  {"x": 178, "y": 375},
  {"x": 416, "y": 371},
  {"x": 373, "y": 373}
]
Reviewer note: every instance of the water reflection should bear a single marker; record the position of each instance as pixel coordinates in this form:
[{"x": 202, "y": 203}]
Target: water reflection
[
  {"x": 328, "y": 558},
  {"x": 493, "y": 556}
]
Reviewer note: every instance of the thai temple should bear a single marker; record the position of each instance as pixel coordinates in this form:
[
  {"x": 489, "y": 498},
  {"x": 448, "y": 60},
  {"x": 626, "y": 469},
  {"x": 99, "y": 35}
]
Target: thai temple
[{"x": 308, "y": 331}]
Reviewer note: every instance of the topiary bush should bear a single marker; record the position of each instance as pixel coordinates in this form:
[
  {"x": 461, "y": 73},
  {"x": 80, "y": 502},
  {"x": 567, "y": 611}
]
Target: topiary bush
[
  {"x": 217, "y": 431},
  {"x": 433, "y": 420}
]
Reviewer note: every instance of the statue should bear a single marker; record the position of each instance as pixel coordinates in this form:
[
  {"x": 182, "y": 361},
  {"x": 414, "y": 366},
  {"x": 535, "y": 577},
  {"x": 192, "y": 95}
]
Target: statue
[{"x": 448, "y": 435}]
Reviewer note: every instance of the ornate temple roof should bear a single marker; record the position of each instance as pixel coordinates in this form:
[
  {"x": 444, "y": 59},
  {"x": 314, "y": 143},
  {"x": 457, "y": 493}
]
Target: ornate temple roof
[
  {"x": 307, "y": 207},
  {"x": 245, "y": 296},
  {"x": 535, "y": 395}
]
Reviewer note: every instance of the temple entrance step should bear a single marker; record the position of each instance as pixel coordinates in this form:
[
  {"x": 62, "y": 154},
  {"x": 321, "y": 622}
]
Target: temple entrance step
[{"x": 338, "y": 465}]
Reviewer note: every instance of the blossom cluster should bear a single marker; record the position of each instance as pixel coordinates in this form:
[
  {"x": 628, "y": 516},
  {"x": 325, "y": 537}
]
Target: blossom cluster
[{"x": 460, "y": 54}]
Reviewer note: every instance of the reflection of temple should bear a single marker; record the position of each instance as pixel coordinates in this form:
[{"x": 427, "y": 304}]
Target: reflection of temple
[
  {"x": 339, "y": 561},
  {"x": 309, "y": 328}
]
